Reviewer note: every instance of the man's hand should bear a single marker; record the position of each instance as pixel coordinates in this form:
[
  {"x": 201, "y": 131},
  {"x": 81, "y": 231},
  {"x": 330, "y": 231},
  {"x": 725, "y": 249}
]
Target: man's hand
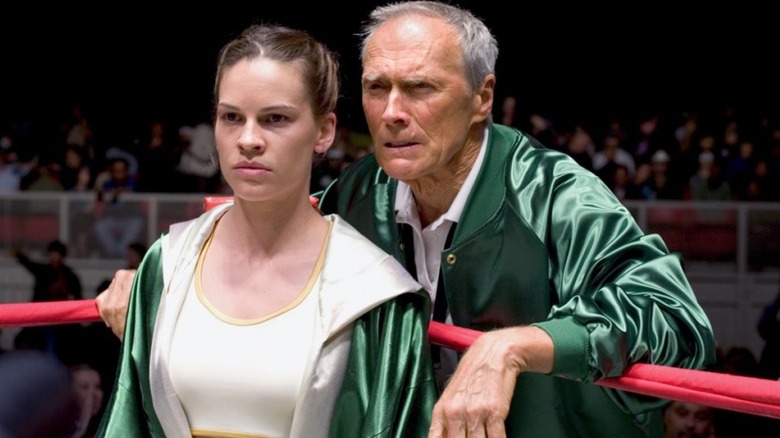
[
  {"x": 112, "y": 302},
  {"x": 477, "y": 398}
]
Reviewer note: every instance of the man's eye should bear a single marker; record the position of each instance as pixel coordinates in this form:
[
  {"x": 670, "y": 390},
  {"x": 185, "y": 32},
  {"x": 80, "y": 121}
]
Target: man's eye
[
  {"x": 423, "y": 86},
  {"x": 373, "y": 86}
]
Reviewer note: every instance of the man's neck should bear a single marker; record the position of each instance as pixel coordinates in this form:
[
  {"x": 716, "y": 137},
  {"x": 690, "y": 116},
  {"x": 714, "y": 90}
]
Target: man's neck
[
  {"x": 434, "y": 194},
  {"x": 432, "y": 201}
]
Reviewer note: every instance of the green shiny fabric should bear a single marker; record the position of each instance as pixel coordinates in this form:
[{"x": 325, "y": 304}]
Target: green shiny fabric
[
  {"x": 129, "y": 412},
  {"x": 384, "y": 393},
  {"x": 543, "y": 241}
]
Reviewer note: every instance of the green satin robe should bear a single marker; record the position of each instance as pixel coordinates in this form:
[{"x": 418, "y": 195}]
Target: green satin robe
[
  {"x": 542, "y": 241},
  {"x": 387, "y": 390}
]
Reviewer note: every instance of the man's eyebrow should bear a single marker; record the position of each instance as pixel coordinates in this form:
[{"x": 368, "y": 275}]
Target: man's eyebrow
[{"x": 371, "y": 77}]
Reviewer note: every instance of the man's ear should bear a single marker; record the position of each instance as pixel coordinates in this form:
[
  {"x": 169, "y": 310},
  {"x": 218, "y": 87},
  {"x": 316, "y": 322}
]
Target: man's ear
[{"x": 483, "y": 98}]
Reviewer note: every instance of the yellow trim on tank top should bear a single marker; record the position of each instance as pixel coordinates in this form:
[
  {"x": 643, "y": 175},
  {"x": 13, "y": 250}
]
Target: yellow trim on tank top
[{"x": 251, "y": 321}]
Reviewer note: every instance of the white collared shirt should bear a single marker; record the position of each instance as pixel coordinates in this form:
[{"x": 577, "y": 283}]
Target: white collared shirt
[{"x": 429, "y": 242}]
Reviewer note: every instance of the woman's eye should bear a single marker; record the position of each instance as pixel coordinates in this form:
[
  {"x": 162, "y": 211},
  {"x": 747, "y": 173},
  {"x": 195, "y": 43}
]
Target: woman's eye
[
  {"x": 230, "y": 117},
  {"x": 276, "y": 118}
]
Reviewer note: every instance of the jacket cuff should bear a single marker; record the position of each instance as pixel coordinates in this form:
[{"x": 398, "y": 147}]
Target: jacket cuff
[{"x": 571, "y": 347}]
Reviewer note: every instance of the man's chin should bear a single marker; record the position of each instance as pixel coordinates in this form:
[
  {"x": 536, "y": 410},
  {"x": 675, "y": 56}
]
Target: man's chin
[{"x": 399, "y": 169}]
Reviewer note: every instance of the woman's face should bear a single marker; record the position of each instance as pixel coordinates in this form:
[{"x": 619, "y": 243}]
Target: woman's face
[
  {"x": 266, "y": 130},
  {"x": 88, "y": 388}
]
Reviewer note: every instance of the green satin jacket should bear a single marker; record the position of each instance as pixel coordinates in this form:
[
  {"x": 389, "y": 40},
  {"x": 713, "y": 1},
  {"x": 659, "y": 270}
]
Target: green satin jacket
[{"x": 542, "y": 241}]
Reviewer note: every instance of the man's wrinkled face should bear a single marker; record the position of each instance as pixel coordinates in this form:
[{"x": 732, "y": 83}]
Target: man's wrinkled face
[{"x": 416, "y": 98}]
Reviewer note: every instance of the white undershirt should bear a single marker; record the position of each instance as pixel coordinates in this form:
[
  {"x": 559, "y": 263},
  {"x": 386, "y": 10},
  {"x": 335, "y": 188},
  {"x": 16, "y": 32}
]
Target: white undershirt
[
  {"x": 429, "y": 242},
  {"x": 242, "y": 377}
]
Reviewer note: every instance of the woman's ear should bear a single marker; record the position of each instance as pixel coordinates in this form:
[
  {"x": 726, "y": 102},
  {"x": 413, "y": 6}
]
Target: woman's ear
[{"x": 327, "y": 134}]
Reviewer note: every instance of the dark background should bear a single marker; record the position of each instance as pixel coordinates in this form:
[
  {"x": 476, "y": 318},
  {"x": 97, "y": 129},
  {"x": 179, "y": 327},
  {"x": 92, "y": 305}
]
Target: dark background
[{"x": 128, "y": 63}]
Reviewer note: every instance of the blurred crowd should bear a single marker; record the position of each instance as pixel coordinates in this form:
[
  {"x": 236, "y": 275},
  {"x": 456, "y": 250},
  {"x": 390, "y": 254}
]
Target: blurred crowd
[{"x": 722, "y": 153}]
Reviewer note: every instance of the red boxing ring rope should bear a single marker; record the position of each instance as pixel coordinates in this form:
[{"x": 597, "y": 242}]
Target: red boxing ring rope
[{"x": 725, "y": 391}]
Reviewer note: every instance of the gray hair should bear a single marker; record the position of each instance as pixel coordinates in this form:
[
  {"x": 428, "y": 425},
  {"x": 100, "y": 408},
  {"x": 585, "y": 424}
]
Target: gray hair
[{"x": 478, "y": 44}]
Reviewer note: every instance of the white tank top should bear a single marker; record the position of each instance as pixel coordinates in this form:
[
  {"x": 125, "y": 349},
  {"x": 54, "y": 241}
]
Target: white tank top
[{"x": 237, "y": 377}]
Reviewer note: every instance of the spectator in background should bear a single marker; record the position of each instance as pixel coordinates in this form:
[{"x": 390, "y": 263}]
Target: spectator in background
[
  {"x": 739, "y": 169},
  {"x": 509, "y": 111},
  {"x": 685, "y": 133},
  {"x": 660, "y": 184},
  {"x": 118, "y": 222},
  {"x": 761, "y": 183},
  {"x": 115, "y": 153},
  {"x": 156, "y": 159},
  {"x": 198, "y": 166},
  {"x": 650, "y": 136},
  {"x": 708, "y": 183},
  {"x": 53, "y": 280},
  {"x": 579, "y": 145},
  {"x": 43, "y": 177},
  {"x": 79, "y": 129},
  {"x": 88, "y": 391},
  {"x": 688, "y": 420},
  {"x": 738, "y": 360},
  {"x": 76, "y": 174},
  {"x": 621, "y": 184},
  {"x": 542, "y": 129},
  {"x": 609, "y": 158},
  {"x": 11, "y": 172}
]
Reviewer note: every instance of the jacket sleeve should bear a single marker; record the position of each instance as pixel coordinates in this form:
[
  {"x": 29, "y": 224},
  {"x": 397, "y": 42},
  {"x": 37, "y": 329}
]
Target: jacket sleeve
[
  {"x": 623, "y": 297},
  {"x": 129, "y": 412},
  {"x": 389, "y": 387}
]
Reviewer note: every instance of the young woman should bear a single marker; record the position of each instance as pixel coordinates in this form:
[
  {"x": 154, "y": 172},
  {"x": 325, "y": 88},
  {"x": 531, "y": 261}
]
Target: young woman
[{"x": 262, "y": 317}]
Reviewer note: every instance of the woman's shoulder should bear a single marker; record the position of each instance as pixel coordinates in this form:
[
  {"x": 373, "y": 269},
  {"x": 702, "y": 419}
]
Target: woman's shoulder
[
  {"x": 350, "y": 253},
  {"x": 343, "y": 232}
]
